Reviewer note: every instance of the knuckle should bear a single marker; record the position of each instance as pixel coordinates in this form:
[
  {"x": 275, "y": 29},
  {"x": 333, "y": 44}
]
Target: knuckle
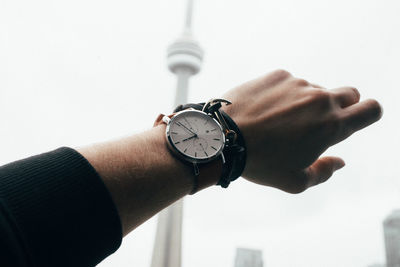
[
  {"x": 275, "y": 77},
  {"x": 282, "y": 74},
  {"x": 322, "y": 97},
  {"x": 300, "y": 83}
]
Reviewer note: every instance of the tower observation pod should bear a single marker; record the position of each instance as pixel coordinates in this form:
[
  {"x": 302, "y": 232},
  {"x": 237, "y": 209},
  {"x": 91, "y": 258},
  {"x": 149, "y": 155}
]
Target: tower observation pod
[{"x": 184, "y": 58}]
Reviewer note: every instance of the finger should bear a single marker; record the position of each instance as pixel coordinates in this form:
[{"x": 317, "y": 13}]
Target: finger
[
  {"x": 346, "y": 96},
  {"x": 361, "y": 115},
  {"x": 322, "y": 169}
]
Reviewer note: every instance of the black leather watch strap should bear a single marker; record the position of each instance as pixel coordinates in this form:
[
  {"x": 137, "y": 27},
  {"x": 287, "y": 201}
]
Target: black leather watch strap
[{"x": 235, "y": 155}]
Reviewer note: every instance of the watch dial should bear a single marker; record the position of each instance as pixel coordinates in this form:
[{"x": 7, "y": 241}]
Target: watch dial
[{"x": 196, "y": 135}]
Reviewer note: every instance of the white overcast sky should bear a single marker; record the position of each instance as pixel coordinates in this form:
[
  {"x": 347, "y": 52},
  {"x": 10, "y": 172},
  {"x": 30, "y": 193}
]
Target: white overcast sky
[{"x": 77, "y": 72}]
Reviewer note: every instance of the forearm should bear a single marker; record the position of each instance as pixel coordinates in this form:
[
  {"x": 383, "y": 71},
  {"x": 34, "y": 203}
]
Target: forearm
[{"x": 143, "y": 176}]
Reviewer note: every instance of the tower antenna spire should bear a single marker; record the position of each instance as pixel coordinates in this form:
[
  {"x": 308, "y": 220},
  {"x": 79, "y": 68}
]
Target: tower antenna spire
[{"x": 189, "y": 14}]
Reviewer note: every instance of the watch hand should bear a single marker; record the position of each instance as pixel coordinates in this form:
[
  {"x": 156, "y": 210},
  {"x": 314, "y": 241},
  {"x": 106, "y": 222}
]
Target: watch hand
[
  {"x": 180, "y": 124},
  {"x": 193, "y": 136}
]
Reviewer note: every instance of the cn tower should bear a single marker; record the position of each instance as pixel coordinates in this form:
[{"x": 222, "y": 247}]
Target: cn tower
[{"x": 184, "y": 58}]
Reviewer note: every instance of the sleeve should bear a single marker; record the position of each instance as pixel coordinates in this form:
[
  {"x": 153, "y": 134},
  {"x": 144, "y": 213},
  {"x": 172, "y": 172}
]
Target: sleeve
[{"x": 55, "y": 211}]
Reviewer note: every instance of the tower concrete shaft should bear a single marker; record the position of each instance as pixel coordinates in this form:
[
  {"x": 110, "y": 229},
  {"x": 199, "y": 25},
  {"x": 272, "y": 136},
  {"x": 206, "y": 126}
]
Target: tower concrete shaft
[
  {"x": 182, "y": 85},
  {"x": 168, "y": 243},
  {"x": 184, "y": 58}
]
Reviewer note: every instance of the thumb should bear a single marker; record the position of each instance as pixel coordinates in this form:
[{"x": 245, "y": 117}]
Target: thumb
[{"x": 322, "y": 169}]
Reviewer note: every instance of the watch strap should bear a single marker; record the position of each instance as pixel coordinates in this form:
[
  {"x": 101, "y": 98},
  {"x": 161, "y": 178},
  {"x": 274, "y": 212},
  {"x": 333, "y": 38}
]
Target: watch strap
[{"x": 235, "y": 155}]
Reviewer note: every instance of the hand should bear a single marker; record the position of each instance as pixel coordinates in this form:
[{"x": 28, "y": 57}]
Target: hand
[{"x": 288, "y": 123}]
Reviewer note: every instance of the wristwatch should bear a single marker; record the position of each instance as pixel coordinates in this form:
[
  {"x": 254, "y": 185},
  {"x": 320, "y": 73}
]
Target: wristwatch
[
  {"x": 201, "y": 133},
  {"x": 194, "y": 136}
]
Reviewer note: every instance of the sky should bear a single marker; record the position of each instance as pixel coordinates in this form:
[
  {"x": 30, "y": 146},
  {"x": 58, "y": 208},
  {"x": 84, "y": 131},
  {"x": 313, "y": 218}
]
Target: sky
[{"x": 75, "y": 72}]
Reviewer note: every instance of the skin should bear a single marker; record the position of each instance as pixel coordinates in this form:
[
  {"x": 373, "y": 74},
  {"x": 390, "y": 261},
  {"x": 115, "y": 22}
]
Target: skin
[{"x": 287, "y": 124}]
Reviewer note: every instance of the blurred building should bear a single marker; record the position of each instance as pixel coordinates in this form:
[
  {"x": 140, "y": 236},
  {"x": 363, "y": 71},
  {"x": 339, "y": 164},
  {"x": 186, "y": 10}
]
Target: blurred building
[
  {"x": 391, "y": 229},
  {"x": 248, "y": 258}
]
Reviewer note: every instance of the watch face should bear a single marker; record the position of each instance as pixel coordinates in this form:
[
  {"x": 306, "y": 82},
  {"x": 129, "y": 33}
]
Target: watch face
[{"x": 195, "y": 135}]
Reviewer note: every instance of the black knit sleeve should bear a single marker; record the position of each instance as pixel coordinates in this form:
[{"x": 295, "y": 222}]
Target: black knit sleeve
[{"x": 56, "y": 211}]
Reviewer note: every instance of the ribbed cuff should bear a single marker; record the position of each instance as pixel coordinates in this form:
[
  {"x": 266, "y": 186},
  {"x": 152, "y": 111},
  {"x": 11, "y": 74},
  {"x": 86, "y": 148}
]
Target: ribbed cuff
[{"x": 62, "y": 209}]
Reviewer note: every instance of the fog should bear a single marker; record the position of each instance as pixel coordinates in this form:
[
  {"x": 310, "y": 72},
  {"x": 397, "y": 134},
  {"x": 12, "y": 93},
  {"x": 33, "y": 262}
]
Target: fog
[{"x": 78, "y": 72}]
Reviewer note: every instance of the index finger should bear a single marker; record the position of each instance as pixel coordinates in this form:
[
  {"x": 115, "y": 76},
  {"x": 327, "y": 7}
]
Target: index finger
[{"x": 361, "y": 115}]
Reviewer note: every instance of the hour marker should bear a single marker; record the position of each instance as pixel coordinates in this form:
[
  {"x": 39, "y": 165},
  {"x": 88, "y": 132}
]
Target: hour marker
[
  {"x": 205, "y": 153},
  {"x": 177, "y": 142},
  {"x": 184, "y": 151},
  {"x": 174, "y": 132},
  {"x": 195, "y": 154},
  {"x": 213, "y": 129},
  {"x": 216, "y": 139},
  {"x": 213, "y": 148}
]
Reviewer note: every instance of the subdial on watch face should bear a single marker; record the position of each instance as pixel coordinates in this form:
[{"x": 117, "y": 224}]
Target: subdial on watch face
[{"x": 200, "y": 144}]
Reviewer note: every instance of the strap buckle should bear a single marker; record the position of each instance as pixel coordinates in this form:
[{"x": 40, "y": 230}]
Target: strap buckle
[{"x": 212, "y": 107}]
